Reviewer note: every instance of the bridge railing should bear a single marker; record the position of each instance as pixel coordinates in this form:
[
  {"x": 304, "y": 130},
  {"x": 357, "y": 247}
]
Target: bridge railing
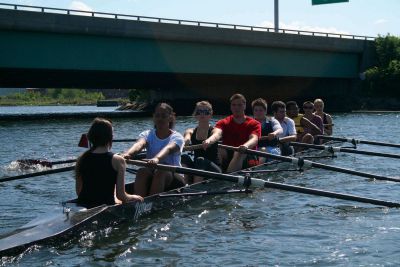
[{"x": 178, "y": 21}]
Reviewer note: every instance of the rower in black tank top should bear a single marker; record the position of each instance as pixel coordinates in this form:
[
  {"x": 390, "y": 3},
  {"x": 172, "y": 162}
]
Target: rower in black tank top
[
  {"x": 98, "y": 180},
  {"x": 211, "y": 153}
]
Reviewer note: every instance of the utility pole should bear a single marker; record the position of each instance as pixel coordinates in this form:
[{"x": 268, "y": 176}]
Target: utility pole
[{"x": 276, "y": 15}]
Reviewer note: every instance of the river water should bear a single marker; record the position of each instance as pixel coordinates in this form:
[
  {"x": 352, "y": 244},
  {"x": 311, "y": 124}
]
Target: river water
[{"x": 269, "y": 227}]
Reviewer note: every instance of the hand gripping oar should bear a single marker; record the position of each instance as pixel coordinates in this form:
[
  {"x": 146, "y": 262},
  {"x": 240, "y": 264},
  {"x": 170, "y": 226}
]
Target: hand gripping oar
[
  {"x": 23, "y": 176},
  {"x": 261, "y": 183},
  {"x": 357, "y": 141},
  {"x": 306, "y": 163},
  {"x": 345, "y": 150}
]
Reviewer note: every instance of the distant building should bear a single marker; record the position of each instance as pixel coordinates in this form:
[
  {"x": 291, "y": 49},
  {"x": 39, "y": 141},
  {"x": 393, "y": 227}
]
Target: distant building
[
  {"x": 38, "y": 90},
  {"x": 10, "y": 91}
]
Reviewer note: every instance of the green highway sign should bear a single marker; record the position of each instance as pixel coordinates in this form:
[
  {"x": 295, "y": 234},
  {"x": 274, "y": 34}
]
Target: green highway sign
[{"x": 322, "y": 2}]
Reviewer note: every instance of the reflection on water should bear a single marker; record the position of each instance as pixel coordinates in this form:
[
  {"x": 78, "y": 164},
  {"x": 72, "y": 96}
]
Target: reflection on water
[{"x": 269, "y": 227}]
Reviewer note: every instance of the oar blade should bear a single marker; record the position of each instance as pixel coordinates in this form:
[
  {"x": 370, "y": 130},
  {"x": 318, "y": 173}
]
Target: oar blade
[
  {"x": 84, "y": 141},
  {"x": 27, "y": 163}
]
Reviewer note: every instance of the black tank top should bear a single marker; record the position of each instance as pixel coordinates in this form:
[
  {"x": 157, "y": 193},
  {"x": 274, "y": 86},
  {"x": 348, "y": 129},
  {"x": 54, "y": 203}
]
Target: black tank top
[
  {"x": 212, "y": 151},
  {"x": 98, "y": 180},
  {"x": 266, "y": 128}
]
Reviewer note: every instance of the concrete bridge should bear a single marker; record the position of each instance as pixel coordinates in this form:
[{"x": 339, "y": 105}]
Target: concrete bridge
[{"x": 46, "y": 47}]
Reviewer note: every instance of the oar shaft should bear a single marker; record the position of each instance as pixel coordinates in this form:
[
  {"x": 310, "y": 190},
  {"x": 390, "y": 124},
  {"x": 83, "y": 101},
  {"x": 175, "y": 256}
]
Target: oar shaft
[
  {"x": 123, "y": 140},
  {"x": 23, "y": 176},
  {"x": 301, "y": 162},
  {"x": 183, "y": 170},
  {"x": 353, "y": 172},
  {"x": 260, "y": 153},
  {"x": 357, "y": 141},
  {"x": 261, "y": 183},
  {"x": 63, "y": 161},
  {"x": 317, "y": 192},
  {"x": 346, "y": 150}
]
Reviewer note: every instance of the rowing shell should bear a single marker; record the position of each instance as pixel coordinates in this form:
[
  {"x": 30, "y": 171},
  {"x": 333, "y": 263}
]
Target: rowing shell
[{"x": 73, "y": 218}]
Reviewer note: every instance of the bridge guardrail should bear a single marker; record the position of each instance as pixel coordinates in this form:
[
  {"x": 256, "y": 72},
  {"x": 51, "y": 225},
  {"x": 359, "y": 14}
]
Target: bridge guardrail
[{"x": 178, "y": 21}]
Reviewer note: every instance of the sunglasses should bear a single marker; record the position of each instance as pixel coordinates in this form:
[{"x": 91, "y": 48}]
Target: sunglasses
[
  {"x": 203, "y": 112},
  {"x": 308, "y": 107}
]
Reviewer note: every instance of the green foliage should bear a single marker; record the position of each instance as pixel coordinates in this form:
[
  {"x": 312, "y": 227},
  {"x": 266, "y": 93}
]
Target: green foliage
[
  {"x": 53, "y": 96},
  {"x": 384, "y": 79}
]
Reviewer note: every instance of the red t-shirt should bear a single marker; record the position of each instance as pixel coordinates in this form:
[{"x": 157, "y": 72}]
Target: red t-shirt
[{"x": 234, "y": 134}]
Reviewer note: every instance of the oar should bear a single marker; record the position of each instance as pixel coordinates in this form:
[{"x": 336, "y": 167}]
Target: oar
[
  {"x": 302, "y": 162},
  {"x": 84, "y": 141},
  {"x": 23, "y": 176},
  {"x": 261, "y": 183},
  {"x": 345, "y": 150},
  {"x": 123, "y": 140},
  {"x": 45, "y": 163},
  {"x": 357, "y": 141},
  {"x": 193, "y": 147}
]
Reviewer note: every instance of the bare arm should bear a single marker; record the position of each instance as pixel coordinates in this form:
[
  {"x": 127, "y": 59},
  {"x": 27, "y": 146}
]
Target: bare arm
[
  {"x": 119, "y": 165},
  {"x": 329, "y": 128},
  {"x": 308, "y": 124},
  {"x": 286, "y": 139},
  {"x": 252, "y": 142},
  {"x": 167, "y": 150},
  {"x": 187, "y": 136},
  {"x": 136, "y": 147},
  {"x": 215, "y": 136},
  {"x": 78, "y": 185}
]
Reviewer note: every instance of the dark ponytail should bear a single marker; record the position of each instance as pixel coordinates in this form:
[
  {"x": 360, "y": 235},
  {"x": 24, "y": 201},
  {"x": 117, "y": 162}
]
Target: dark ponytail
[{"x": 100, "y": 134}]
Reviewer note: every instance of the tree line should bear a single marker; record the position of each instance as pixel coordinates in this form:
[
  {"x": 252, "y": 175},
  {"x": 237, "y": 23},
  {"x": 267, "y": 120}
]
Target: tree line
[{"x": 383, "y": 80}]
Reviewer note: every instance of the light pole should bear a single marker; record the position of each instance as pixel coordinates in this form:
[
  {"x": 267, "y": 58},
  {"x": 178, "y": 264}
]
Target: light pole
[{"x": 276, "y": 15}]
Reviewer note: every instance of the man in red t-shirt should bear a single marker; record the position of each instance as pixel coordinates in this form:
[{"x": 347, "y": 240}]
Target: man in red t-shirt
[{"x": 237, "y": 130}]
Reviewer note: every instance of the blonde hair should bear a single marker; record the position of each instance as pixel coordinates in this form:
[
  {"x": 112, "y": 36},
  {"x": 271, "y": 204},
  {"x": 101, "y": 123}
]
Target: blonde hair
[
  {"x": 319, "y": 100},
  {"x": 203, "y": 103}
]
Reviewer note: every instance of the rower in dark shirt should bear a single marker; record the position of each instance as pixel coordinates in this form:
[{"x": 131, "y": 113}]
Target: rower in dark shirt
[
  {"x": 100, "y": 174},
  {"x": 206, "y": 135}
]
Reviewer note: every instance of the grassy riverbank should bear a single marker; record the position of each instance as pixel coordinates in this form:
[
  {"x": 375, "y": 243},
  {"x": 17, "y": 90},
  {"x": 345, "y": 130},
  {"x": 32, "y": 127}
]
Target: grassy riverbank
[{"x": 52, "y": 97}]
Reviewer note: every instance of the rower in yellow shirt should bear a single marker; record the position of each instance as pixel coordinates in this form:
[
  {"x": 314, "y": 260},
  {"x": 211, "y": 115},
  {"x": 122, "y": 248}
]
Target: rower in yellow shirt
[{"x": 304, "y": 127}]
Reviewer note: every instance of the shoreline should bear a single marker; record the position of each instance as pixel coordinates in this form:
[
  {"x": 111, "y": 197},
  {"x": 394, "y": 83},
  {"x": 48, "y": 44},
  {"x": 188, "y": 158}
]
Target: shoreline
[{"x": 75, "y": 115}]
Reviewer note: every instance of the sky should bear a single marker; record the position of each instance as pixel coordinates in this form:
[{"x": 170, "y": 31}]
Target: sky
[{"x": 357, "y": 17}]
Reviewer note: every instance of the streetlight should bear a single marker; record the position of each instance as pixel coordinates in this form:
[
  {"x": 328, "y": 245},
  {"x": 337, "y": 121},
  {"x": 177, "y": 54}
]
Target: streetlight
[{"x": 276, "y": 15}]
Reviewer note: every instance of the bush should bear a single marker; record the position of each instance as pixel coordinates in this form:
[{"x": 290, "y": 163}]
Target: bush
[
  {"x": 53, "y": 96},
  {"x": 384, "y": 79}
]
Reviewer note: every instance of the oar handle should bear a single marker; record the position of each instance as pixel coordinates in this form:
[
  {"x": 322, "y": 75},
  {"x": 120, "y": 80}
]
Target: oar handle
[
  {"x": 124, "y": 140},
  {"x": 193, "y": 147}
]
